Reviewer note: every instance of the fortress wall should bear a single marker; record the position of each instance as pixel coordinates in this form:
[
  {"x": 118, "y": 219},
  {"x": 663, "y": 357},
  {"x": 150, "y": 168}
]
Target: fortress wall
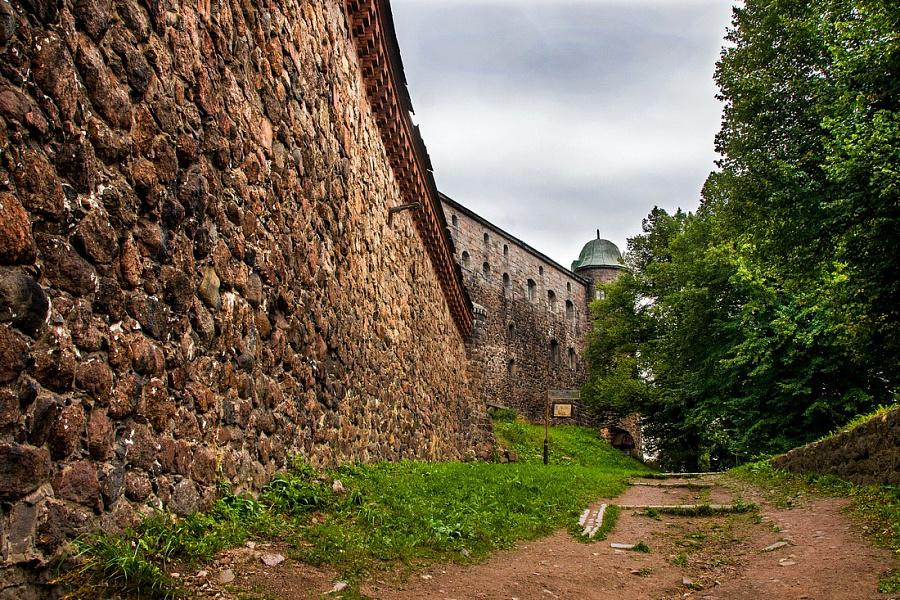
[
  {"x": 197, "y": 274},
  {"x": 534, "y": 323},
  {"x": 868, "y": 454}
]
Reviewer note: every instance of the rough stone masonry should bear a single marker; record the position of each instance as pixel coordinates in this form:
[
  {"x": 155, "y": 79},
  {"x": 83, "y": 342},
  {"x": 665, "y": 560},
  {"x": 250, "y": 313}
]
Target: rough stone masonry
[{"x": 197, "y": 275}]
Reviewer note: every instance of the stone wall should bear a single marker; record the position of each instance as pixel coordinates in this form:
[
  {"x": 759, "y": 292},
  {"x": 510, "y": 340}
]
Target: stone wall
[
  {"x": 197, "y": 274},
  {"x": 535, "y": 315},
  {"x": 866, "y": 455}
]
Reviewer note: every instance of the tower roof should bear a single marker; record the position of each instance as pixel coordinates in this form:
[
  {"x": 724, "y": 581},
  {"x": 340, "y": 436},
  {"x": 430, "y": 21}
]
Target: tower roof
[{"x": 598, "y": 253}]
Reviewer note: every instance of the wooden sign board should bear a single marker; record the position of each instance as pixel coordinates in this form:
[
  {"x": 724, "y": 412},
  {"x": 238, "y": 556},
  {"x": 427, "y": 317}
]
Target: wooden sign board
[{"x": 562, "y": 410}]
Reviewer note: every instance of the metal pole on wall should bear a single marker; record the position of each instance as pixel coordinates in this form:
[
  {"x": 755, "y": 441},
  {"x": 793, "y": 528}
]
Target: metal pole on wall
[{"x": 547, "y": 429}]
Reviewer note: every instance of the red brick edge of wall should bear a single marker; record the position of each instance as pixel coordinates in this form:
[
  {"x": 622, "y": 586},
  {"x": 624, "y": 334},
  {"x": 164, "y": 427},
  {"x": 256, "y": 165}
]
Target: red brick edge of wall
[
  {"x": 372, "y": 28},
  {"x": 868, "y": 454}
]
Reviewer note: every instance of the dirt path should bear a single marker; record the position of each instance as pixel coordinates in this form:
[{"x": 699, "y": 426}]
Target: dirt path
[{"x": 818, "y": 556}]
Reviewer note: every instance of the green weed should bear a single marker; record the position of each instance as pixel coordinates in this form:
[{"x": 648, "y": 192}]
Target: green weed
[
  {"x": 652, "y": 513},
  {"x": 641, "y": 547}
]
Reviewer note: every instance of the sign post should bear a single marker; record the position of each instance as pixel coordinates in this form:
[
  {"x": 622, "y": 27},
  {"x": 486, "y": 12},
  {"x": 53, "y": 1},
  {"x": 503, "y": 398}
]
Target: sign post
[
  {"x": 561, "y": 410},
  {"x": 547, "y": 430}
]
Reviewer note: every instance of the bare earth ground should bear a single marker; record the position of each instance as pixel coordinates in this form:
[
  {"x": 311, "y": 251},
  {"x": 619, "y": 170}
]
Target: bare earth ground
[{"x": 709, "y": 558}]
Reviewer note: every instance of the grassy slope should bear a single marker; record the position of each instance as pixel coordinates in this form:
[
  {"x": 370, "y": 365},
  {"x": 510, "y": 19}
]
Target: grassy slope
[
  {"x": 390, "y": 514},
  {"x": 414, "y": 511}
]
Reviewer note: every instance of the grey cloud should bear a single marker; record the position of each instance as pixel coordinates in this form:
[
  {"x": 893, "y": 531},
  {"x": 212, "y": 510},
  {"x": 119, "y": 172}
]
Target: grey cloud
[{"x": 553, "y": 118}]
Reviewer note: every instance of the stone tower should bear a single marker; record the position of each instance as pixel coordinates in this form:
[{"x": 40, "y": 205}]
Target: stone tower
[{"x": 599, "y": 262}]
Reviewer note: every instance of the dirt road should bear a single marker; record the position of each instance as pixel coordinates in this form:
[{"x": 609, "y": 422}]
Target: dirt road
[{"x": 809, "y": 552}]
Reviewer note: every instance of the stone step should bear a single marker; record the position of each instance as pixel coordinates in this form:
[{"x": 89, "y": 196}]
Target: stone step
[
  {"x": 681, "y": 475},
  {"x": 591, "y": 519},
  {"x": 675, "y": 506},
  {"x": 687, "y": 484}
]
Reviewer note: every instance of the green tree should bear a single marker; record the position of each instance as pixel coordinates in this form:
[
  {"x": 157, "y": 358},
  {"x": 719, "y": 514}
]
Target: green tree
[{"x": 771, "y": 315}]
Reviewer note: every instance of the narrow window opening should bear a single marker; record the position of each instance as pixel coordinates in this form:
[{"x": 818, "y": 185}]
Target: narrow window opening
[
  {"x": 511, "y": 331},
  {"x": 570, "y": 310},
  {"x": 511, "y": 367},
  {"x": 573, "y": 359},
  {"x": 506, "y": 280},
  {"x": 465, "y": 259},
  {"x": 540, "y": 270},
  {"x": 486, "y": 269},
  {"x": 454, "y": 221},
  {"x": 554, "y": 352},
  {"x": 505, "y": 250},
  {"x": 530, "y": 290},
  {"x": 487, "y": 238}
]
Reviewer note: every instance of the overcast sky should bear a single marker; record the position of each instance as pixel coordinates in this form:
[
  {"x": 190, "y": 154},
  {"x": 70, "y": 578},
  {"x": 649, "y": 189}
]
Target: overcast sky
[{"x": 555, "y": 118}]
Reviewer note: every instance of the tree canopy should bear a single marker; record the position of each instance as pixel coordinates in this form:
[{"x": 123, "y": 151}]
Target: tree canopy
[{"x": 770, "y": 316}]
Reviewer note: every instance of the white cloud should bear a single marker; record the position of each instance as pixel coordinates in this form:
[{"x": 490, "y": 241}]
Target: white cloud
[{"x": 552, "y": 118}]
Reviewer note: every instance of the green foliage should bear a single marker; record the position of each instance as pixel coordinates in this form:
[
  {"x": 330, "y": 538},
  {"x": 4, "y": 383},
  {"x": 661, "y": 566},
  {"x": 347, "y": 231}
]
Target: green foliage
[
  {"x": 770, "y": 316},
  {"x": 863, "y": 418},
  {"x": 505, "y": 415}
]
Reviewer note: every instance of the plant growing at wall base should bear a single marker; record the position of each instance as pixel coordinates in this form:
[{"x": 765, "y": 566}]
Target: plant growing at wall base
[{"x": 391, "y": 515}]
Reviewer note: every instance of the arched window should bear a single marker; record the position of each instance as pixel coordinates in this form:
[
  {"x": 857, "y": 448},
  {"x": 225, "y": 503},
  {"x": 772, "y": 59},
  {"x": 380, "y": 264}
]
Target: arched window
[
  {"x": 551, "y": 300},
  {"x": 511, "y": 367},
  {"x": 506, "y": 280},
  {"x": 486, "y": 269},
  {"x": 505, "y": 250},
  {"x": 511, "y": 331},
  {"x": 554, "y": 352},
  {"x": 568, "y": 286},
  {"x": 530, "y": 289},
  {"x": 540, "y": 270},
  {"x": 454, "y": 221},
  {"x": 465, "y": 259},
  {"x": 487, "y": 237},
  {"x": 573, "y": 359},
  {"x": 570, "y": 310}
]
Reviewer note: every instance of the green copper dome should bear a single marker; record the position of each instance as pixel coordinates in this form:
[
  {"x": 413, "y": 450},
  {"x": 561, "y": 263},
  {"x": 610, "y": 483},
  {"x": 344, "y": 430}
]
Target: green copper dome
[{"x": 598, "y": 253}]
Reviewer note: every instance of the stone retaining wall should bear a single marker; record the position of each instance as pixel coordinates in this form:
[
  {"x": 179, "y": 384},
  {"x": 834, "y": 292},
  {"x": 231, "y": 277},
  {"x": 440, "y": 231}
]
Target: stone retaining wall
[
  {"x": 197, "y": 274},
  {"x": 867, "y": 454}
]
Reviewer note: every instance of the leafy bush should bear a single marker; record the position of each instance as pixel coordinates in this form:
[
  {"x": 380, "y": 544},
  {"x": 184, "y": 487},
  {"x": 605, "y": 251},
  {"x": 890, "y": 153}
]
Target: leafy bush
[{"x": 505, "y": 415}]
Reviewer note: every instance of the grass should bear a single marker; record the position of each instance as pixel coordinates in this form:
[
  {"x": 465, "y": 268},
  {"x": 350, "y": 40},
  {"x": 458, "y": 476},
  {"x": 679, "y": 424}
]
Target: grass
[
  {"x": 133, "y": 564},
  {"x": 876, "y": 508},
  {"x": 863, "y": 418},
  {"x": 568, "y": 445},
  {"x": 391, "y": 515}
]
